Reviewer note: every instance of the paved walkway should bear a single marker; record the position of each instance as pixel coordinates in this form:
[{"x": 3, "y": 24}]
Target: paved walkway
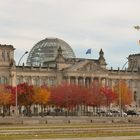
[{"x": 100, "y": 138}]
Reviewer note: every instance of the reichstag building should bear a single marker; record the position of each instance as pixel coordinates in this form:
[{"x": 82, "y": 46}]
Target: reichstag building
[{"x": 52, "y": 61}]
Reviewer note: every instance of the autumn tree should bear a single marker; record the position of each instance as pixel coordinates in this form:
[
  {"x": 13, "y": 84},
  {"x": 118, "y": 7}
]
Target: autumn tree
[
  {"x": 60, "y": 96},
  {"x": 109, "y": 94},
  {"x": 5, "y": 99},
  {"x": 12, "y": 90},
  {"x": 69, "y": 96},
  {"x": 96, "y": 99},
  {"x": 124, "y": 93},
  {"x": 41, "y": 96},
  {"x": 25, "y": 94}
]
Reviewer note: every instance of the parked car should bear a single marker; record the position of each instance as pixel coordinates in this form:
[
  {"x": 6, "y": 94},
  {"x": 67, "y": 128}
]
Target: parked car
[
  {"x": 101, "y": 113},
  {"x": 109, "y": 113},
  {"x": 104, "y": 113},
  {"x": 115, "y": 113},
  {"x": 118, "y": 113},
  {"x": 124, "y": 114},
  {"x": 133, "y": 112}
]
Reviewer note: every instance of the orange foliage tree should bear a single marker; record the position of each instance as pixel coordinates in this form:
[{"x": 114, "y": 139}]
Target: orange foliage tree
[
  {"x": 12, "y": 90},
  {"x": 5, "y": 99},
  {"x": 41, "y": 96},
  {"x": 124, "y": 93}
]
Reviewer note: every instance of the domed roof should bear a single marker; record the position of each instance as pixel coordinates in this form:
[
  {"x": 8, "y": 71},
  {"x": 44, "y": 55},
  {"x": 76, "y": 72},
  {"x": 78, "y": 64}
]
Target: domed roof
[{"x": 47, "y": 50}]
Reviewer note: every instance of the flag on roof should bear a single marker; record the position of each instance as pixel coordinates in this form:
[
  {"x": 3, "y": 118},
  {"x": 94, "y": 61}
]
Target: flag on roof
[
  {"x": 88, "y": 51},
  {"x": 137, "y": 27}
]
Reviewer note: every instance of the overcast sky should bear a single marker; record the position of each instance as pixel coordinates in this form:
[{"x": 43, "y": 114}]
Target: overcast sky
[{"x": 83, "y": 24}]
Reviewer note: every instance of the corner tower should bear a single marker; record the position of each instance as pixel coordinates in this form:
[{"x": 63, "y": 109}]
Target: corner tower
[
  {"x": 101, "y": 59},
  {"x": 6, "y": 63},
  {"x": 6, "y": 55}
]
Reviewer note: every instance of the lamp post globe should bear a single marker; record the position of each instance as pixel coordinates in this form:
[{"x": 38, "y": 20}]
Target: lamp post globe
[{"x": 16, "y": 105}]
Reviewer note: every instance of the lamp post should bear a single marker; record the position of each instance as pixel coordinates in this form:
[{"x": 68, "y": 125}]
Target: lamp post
[
  {"x": 137, "y": 27},
  {"x": 120, "y": 78},
  {"x": 16, "y": 109},
  {"x": 120, "y": 94}
]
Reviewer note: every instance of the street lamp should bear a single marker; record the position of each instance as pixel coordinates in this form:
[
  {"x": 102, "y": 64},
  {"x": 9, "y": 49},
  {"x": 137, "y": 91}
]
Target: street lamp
[
  {"x": 120, "y": 94},
  {"x": 120, "y": 78},
  {"x": 137, "y": 27},
  {"x": 16, "y": 109}
]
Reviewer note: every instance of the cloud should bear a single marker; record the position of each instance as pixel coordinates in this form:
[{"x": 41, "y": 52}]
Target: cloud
[{"x": 81, "y": 23}]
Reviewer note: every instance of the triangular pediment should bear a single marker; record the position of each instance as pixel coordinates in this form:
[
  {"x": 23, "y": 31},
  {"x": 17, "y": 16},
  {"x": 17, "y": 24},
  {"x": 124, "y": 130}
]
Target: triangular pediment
[{"x": 86, "y": 65}]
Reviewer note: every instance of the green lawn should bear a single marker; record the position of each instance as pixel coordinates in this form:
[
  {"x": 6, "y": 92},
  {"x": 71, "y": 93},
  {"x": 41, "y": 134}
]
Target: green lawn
[
  {"x": 51, "y": 131},
  {"x": 79, "y": 135}
]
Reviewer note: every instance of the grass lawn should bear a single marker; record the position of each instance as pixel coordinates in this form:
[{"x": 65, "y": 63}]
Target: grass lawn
[{"x": 73, "y": 131}]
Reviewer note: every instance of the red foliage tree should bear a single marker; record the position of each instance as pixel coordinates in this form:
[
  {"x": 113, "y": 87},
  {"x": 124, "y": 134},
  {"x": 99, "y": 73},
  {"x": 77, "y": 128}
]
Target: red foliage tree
[
  {"x": 25, "y": 94},
  {"x": 60, "y": 95},
  {"x": 12, "y": 90},
  {"x": 69, "y": 95},
  {"x": 96, "y": 98},
  {"x": 110, "y": 96}
]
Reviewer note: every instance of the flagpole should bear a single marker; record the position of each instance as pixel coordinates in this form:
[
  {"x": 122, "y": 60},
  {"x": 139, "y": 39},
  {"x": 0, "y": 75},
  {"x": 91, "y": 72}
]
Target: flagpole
[
  {"x": 89, "y": 52},
  {"x": 138, "y": 46}
]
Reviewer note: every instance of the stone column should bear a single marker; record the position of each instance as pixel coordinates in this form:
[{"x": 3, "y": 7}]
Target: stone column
[
  {"x": 103, "y": 81},
  {"x": 29, "y": 80},
  {"x": 32, "y": 83},
  {"x": 130, "y": 83},
  {"x": 88, "y": 81},
  {"x": 92, "y": 80},
  {"x": 110, "y": 83},
  {"x": 68, "y": 80},
  {"x": 12, "y": 79},
  {"x": 84, "y": 80},
  {"x": 21, "y": 79},
  {"x": 49, "y": 78},
  {"x": 76, "y": 80},
  {"x": 99, "y": 79},
  {"x": 39, "y": 78},
  {"x": 106, "y": 82}
]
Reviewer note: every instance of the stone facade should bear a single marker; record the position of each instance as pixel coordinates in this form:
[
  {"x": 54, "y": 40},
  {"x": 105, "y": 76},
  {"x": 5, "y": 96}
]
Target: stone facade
[{"x": 71, "y": 70}]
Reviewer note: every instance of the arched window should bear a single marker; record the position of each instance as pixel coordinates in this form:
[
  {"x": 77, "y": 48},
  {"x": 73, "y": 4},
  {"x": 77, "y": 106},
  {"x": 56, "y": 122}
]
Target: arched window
[
  {"x": 4, "y": 80},
  {"x": 27, "y": 80},
  {"x": 44, "y": 81},
  {"x": 19, "y": 79},
  {"x": 51, "y": 81},
  {"x": 36, "y": 81},
  {"x": 8, "y": 55},
  {"x": 135, "y": 96},
  {"x": 3, "y": 55}
]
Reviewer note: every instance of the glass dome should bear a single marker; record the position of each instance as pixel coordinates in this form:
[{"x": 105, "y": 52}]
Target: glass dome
[{"x": 47, "y": 50}]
